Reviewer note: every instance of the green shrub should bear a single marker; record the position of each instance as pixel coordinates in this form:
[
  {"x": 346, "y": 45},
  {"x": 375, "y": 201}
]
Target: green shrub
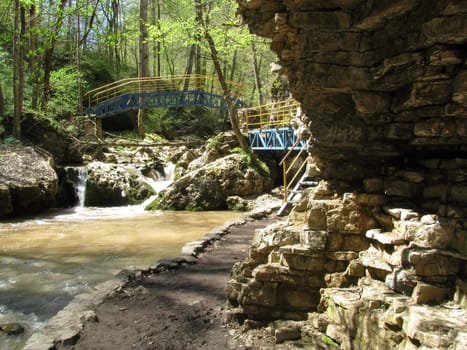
[{"x": 64, "y": 97}]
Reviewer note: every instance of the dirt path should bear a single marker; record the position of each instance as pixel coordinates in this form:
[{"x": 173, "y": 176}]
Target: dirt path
[{"x": 176, "y": 309}]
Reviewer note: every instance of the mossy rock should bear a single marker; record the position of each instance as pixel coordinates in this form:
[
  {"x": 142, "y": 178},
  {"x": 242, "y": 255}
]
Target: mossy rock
[{"x": 12, "y": 328}]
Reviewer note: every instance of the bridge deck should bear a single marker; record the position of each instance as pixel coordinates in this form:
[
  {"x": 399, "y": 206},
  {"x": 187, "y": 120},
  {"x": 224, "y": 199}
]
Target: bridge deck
[
  {"x": 271, "y": 126},
  {"x": 154, "y": 92},
  {"x": 167, "y": 99}
]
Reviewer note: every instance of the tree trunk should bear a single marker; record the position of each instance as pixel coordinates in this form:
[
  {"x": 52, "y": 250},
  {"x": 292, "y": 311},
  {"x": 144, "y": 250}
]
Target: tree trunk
[
  {"x": 227, "y": 95},
  {"x": 49, "y": 52},
  {"x": 143, "y": 56},
  {"x": 189, "y": 66},
  {"x": 257, "y": 78},
  {"x": 78, "y": 60},
  {"x": 155, "y": 20},
  {"x": 88, "y": 27},
  {"x": 18, "y": 69},
  {"x": 116, "y": 34},
  {"x": 198, "y": 58},
  {"x": 234, "y": 66},
  {"x": 32, "y": 57}
]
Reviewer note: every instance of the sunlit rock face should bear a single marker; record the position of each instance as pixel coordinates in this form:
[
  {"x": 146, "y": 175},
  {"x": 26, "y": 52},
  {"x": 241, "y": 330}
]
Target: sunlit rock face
[
  {"x": 384, "y": 234},
  {"x": 28, "y": 182},
  {"x": 383, "y": 84}
]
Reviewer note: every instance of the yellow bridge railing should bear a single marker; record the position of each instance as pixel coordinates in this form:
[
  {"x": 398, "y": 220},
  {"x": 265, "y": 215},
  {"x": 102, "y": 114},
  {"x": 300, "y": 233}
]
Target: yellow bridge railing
[
  {"x": 160, "y": 84},
  {"x": 271, "y": 115}
]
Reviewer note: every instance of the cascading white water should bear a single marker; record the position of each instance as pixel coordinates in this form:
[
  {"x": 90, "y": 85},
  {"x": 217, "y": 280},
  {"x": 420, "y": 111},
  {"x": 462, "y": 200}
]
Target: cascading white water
[
  {"x": 157, "y": 181},
  {"x": 80, "y": 185},
  {"x": 161, "y": 182}
]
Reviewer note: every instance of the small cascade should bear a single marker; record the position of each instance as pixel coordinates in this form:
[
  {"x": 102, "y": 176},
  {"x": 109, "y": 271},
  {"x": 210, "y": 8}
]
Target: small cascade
[
  {"x": 80, "y": 185},
  {"x": 160, "y": 181}
]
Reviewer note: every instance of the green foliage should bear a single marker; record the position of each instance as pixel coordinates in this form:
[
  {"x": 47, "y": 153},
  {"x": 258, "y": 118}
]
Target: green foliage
[
  {"x": 193, "y": 208},
  {"x": 175, "y": 33},
  {"x": 155, "y": 137},
  {"x": 164, "y": 122},
  {"x": 11, "y": 140},
  {"x": 65, "y": 91},
  {"x": 156, "y": 205},
  {"x": 6, "y": 77},
  {"x": 328, "y": 341}
]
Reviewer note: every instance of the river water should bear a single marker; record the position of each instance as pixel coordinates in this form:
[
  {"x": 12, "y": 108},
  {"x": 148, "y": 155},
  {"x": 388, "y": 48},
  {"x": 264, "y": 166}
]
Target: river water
[{"x": 46, "y": 261}]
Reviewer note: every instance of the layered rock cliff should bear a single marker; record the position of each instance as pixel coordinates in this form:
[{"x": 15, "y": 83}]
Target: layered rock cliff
[
  {"x": 383, "y": 83},
  {"x": 383, "y": 88}
]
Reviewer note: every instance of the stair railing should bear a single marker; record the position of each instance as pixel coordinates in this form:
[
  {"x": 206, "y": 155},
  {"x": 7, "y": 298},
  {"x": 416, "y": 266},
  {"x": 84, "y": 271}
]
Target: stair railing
[{"x": 286, "y": 170}]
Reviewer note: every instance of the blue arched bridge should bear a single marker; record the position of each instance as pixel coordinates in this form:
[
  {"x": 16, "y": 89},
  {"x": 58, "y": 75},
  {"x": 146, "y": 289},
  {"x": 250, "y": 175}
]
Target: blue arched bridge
[
  {"x": 269, "y": 126},
  {"x": 155, "y": 92}
]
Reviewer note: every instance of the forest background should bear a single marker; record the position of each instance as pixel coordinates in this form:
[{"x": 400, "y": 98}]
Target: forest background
[{"x": 53, "y": 51}]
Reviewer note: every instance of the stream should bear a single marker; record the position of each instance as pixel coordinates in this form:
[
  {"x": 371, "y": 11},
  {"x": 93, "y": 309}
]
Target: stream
[{"x": 45, "y": 261}]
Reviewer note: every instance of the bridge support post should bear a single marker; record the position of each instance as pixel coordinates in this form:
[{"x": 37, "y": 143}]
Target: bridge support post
[
  {"x": 284, "y": 171},
  {"x": 99, "y": 132}
]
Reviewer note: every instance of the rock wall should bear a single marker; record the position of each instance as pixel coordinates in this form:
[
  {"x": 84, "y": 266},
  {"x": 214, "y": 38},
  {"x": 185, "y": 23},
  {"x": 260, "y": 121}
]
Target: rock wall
[
  {"x": 383, "y": 84},
  {"x": 384, "y": 235}
]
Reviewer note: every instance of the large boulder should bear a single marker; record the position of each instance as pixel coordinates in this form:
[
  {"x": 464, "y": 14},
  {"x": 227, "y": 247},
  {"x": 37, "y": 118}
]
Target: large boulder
[
  {"x": 51, "y": 136},
  {"x": 207, "y": 187},
  {"x": 28, "y": 182},
  {"x": 114, "y": 184}
]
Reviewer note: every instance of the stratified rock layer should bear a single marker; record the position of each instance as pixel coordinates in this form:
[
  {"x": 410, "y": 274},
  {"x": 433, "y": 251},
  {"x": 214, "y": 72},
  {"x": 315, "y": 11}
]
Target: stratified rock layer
[
  {"x": 383, "y": 237},
  {"x": 383, "y": 83}
]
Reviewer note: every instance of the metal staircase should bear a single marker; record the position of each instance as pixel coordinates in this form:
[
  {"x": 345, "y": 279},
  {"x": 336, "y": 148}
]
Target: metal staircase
[{"x": 293, "y": 194}]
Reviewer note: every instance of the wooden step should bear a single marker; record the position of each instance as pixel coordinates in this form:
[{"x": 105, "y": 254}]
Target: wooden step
[{"x": 308, "y": 183}]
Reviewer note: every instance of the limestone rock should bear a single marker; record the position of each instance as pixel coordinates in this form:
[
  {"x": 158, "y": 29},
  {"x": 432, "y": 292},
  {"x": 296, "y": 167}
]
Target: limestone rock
[
  {"x": 382, "y": 84},
  {"x": 114, "y": 184},
  {"x": 436, "y": 328},
  {"x": 272, "y": 237},
  {"x": 28, "y": 181},
  {"x": 51, "y": 136},
  {"x": 6, "y": 206},
  {"x": 436, "y": 235},
  {"x": 433, "y": 263},
  {"x": 424, "y": 293},
  {"x": 287, "y": 332},
  {"x": 208, "y": 187}
]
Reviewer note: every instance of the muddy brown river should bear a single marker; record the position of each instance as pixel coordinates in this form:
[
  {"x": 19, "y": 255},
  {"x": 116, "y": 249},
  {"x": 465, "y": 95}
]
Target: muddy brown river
[{"x": 46, "y": 261}]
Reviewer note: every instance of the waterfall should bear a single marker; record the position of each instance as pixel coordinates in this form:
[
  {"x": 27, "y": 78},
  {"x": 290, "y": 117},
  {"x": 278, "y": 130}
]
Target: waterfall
[
  {"x": 160, "y": 181},
  {"x": 167, "y": 178},
  {"x": 80, "y": 185}
]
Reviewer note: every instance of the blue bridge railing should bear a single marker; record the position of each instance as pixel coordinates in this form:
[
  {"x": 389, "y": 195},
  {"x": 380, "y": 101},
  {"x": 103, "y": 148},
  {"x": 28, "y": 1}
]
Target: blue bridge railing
[
  {"x": 167, "y": 99},
  {"x": 274, "y": 139}
]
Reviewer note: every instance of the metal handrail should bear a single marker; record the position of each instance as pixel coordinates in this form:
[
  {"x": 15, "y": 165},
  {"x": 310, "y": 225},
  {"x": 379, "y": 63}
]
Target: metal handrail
[
  {"x": 159, "y": 84},
  {"x": 286, "y": 169},
  {"x": 270, "y": 115}
]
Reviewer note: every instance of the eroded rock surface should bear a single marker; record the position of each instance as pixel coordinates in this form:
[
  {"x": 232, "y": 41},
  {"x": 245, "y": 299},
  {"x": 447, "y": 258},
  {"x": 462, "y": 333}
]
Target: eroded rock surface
[
  {"x": 28, "y": 182},
  {"x": 382, "y": 87},
  {"x": 114, "y": 184},
  {"x": 208, "y": 187}
]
